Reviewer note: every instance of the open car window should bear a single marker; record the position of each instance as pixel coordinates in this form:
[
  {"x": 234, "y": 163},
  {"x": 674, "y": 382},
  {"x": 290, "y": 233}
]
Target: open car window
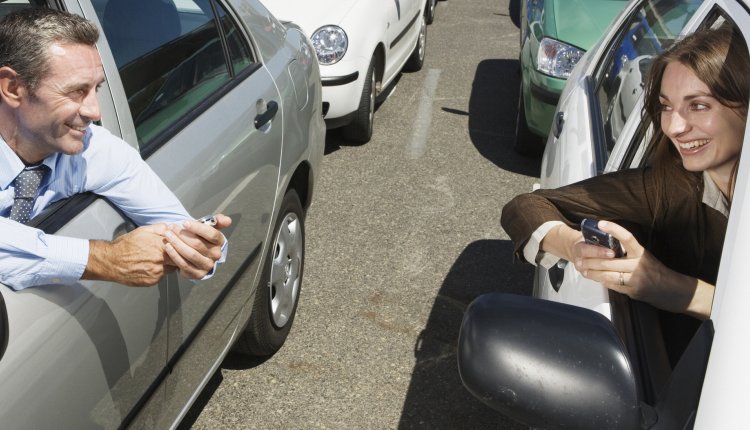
[{"x": 620, "y": 77}]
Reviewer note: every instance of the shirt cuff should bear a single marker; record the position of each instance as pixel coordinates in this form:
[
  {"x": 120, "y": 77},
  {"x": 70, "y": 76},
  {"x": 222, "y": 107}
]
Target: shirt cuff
[
  {"x": 67, "y": 259},
  {"x": 532, "y": 252}
]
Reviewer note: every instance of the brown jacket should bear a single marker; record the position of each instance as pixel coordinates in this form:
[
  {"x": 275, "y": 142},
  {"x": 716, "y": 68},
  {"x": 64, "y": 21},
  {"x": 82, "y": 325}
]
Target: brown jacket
[{"x": 687, "y": 237}]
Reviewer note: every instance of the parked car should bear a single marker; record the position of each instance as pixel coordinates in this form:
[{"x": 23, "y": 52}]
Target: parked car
[
  {"x": 589, "y": 357},
  {"x": 554, "y": 35},
  {"x": 362, "y": 46},
  {"x": 224, "y": 103}
]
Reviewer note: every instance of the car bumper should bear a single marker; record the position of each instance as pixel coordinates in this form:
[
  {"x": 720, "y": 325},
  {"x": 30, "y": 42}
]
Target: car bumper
[
  {"x": 342, "y": 90},
  {"x": 542, "y": 94}
]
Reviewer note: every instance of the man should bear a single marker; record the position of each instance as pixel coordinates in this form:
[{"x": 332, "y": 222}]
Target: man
[{"x": 50, "y": 71}]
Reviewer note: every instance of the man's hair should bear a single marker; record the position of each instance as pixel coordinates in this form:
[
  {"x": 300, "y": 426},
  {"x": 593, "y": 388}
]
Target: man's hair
[{"x": 26, "y": 36}]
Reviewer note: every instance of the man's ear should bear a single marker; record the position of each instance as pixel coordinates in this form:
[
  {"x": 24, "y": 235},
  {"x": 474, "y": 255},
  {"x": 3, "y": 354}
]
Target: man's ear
[{"x": 11, "y": 87}]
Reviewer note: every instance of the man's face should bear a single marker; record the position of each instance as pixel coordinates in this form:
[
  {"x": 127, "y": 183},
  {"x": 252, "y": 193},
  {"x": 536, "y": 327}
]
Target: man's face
[{"x": 54, "y": 118}]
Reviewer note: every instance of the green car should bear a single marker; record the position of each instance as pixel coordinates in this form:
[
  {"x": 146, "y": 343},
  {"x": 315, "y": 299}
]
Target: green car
[{"x": 554, "y": 36}]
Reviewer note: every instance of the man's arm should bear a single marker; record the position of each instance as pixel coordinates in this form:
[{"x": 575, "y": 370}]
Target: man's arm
[
  {"x": 137, "y": 259},
  {"x": 29, "y": 257}
]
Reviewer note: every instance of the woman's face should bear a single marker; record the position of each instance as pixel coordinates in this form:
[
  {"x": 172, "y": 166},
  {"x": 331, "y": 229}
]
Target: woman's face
[{"x": 707, "y": 134}]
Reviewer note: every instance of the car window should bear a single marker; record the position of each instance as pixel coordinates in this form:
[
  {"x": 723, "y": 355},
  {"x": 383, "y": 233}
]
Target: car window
[
  {"x": 8, "y": 6},
  {"x": 620, "y": 78},
  {"x": 173, "y": 57}
]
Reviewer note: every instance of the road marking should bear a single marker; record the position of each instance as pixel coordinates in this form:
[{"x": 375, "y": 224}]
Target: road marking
[{"x": 418, "y": 144}]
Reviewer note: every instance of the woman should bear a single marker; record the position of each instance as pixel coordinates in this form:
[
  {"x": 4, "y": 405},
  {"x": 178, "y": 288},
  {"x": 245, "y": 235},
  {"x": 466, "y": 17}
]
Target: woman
[{"x": 671, "y": 216}]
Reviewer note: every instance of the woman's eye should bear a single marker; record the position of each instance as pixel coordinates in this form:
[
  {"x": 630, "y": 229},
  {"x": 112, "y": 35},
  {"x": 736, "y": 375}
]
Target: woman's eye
[
  {"x": 664, "y": 107},
  {"x": 699, "y": 106}
]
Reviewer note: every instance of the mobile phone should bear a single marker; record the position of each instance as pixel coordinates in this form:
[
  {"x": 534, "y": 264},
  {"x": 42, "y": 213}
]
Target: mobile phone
[
  {"x": 593, "y": 235},
  {"x": 208, "y": 220}
]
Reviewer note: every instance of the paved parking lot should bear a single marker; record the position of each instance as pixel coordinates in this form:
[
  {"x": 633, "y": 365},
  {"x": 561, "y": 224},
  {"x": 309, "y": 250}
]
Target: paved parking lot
[{"x": 403, "y": 233}]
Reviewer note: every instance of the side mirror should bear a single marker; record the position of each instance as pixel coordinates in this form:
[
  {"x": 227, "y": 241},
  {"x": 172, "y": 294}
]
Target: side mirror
[
  {"x": 3, "y": 327},
  {"x": 547, "y": 364}
]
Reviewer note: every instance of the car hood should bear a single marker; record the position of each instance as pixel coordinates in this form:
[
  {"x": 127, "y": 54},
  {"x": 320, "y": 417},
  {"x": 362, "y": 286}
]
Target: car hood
[
  {"x": 311, "y": 15},
  {"x": 582, "y": 22}
]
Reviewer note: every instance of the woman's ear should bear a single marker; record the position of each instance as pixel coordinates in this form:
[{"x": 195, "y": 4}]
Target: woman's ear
[{"x": 11, "y": 88}]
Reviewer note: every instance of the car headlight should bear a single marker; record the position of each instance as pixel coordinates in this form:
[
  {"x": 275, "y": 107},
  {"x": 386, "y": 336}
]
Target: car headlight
[
  {"x": 556, "y": 58},
  {"x": 330, "y": 43}
]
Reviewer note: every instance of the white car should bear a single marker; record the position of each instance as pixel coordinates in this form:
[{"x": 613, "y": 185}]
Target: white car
[
  {"x": 602, "y": 363},
  {"x": 362, "y": 46}
]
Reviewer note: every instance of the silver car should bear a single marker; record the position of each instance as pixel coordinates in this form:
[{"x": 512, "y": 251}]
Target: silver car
[{"x": 224, "y": 103}]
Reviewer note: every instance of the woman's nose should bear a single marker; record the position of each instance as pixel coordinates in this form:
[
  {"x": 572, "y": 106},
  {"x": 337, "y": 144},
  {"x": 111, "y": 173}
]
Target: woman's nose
[{"x": 675, "y": 124}]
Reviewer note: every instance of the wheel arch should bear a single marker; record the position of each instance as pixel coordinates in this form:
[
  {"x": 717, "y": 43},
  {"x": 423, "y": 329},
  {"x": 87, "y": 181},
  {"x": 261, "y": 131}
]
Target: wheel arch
[{"x": 302, "y": 182}]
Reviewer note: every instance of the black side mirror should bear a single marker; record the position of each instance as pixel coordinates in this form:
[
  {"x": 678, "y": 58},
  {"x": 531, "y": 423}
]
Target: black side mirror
[
  {"x": 547, "y": 364},
  {"x": 3, "y": 327}
]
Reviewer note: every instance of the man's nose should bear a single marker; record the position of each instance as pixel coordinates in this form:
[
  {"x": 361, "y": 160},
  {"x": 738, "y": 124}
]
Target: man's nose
[{"x": 90, "y": 107}]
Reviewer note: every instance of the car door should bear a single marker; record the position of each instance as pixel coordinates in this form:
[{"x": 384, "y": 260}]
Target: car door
[
  {"x": 403, "y": 26},
  {"x": 594, "y": 120},
  {"x": 83, "y": 355},
  {"x": 212, "y": 129}
]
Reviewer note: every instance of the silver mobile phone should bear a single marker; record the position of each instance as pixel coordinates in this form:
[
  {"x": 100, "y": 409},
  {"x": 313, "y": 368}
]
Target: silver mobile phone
[
  {"x": 208, "y": 219},
  {"x": 593, "y": 235}
]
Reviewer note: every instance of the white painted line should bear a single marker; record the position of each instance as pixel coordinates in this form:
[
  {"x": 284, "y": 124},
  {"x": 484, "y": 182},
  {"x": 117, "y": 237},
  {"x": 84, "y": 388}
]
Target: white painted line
[{"x": 418, "y": 144}]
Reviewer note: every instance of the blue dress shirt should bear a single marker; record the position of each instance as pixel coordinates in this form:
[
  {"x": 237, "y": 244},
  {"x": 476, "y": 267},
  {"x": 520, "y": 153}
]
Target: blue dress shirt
[{"x": 107, "y": 166}]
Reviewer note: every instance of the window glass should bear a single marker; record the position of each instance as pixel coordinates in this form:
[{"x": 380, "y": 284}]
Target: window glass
[
  {"x": 170, "y": 56},
  {"x": 620, "y": 80},
  {"x": 9, "y": 6},
  {"x": 238, "y": 50}
]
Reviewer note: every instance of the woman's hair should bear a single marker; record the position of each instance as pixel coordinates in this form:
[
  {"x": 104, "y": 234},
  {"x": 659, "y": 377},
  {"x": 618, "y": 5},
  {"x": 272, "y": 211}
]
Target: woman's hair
[
  {"x": 720, "y": 59},
  {"x": 26, "y": 35}
]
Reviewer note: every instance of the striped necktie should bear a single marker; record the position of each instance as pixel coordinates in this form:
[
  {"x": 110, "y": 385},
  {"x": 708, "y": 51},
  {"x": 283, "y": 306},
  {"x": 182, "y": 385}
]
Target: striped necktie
[{"x": 26, "y": 187}]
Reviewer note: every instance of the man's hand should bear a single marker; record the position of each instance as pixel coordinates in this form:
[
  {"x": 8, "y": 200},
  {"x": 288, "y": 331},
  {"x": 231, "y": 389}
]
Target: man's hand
[
  {"x": 137, "y": 258},
  {"x": 194, "y": 247}
]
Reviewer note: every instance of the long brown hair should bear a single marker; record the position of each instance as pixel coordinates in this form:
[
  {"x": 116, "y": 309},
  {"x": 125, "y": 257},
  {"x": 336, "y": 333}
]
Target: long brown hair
[{"x": 720, "y": 59}]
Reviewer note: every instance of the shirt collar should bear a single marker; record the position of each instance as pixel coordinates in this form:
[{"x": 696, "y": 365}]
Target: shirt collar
[
  {"x": 713, "y": 197},
  {"x": 11, "y": 164}
]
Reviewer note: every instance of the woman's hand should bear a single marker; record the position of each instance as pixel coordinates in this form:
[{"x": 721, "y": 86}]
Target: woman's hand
[{"x": 641, "y": 276}]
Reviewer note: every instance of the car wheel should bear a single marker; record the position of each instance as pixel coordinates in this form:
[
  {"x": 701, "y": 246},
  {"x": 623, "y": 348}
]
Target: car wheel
[
  {"x": 360, "y": 129},
  {"x": 416, "y": 60},
  {"x": 526, "y": 143},
  {"x": 276, "y": 299},
  {"x": 514, "y": 11},
  {"x": 429, "y": 11}
]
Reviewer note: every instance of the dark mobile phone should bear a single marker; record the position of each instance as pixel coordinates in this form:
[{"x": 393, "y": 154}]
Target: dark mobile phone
[
  {"x": 593, "y": 235},
  {"x": 208, "y": 219}
]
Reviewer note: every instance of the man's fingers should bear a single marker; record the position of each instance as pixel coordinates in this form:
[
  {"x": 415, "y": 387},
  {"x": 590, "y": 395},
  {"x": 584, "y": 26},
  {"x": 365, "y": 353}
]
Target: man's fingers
[{"x": 189, "y": 257}]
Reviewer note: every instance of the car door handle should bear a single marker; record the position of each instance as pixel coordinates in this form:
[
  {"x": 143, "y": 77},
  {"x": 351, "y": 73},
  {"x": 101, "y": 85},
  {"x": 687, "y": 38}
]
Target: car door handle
[
  {"x": 558, "y": 123},
  {"x": 267, "y": 114},
  {"x": 557, "y": 275}
]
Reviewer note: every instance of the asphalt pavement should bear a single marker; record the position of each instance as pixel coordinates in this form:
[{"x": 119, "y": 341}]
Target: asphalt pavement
[{"x": 402, "y": 234}]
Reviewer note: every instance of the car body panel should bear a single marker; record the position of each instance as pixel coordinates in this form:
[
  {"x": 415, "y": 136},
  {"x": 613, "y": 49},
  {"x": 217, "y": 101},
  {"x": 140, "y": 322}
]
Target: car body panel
[
  {"x": 391, "y": 26},
  {"x": 140, "y": 356}
]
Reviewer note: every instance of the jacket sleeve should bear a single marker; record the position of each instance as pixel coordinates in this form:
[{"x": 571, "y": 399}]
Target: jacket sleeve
[{"x": 625, "y": 197}]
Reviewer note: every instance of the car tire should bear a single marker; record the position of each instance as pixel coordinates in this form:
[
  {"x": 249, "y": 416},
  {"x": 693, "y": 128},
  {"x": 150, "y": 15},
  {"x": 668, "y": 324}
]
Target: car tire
[
  {"x": 416, "y": 60},
  {"x": 276, "y": 298},
  {"x": 360, "y": 129},
  {"x": 526, "y": 142},
  {"x": 514, "y": 11},
  {"x": 429, "y": 11}
]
